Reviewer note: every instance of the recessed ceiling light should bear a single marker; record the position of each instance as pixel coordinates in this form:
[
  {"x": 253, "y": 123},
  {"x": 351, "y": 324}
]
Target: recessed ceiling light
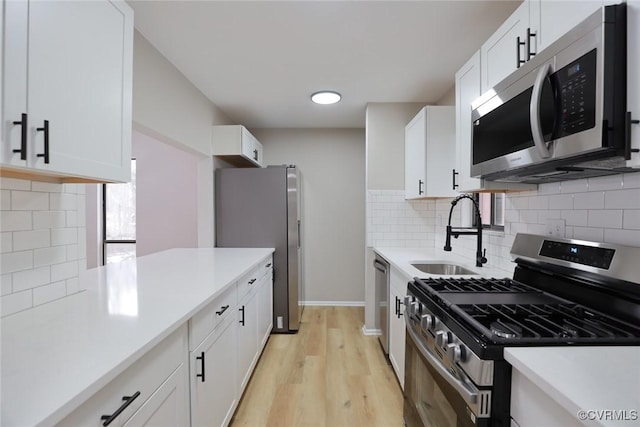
[{"x": 326, "y": 97}]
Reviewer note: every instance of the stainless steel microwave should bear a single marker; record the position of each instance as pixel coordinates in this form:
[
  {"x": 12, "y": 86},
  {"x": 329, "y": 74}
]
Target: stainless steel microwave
[{"x": 562, "y": 115}]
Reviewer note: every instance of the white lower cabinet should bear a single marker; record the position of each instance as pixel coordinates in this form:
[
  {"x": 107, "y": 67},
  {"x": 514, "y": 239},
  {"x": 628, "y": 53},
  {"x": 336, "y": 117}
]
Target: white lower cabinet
[
  {"x": 213, "y": 382},
  {"x": 265, "y": 308},
  {"x": 397, "y": 325},
  {"x": 247, "y": 325},
  {"x": 157, "y": 382}
]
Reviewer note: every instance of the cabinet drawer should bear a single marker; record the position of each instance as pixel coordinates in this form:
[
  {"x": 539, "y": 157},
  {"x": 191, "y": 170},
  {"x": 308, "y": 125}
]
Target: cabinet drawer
[
  {"x": 265, "y": 266},
  {"x": 205, "y": 321},
  {"x": 249, "y": 281},
  {"x": 142, "y": 379}
]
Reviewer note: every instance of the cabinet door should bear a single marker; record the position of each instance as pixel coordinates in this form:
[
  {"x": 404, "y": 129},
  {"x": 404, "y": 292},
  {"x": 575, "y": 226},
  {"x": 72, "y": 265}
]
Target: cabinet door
[
  {"x": 214, "y": 394},
  {"x": 555, "y": 17},
  {"x": 440, "y": 151},
  {"x": 633, "y": 71},
  {"x": 247, "y": 324},
  {"x": 415, "y": 136},
  {"x": 79, "y": 81},
  {"x": 397, "y": 329},
  {"x": 168, "y": 406},
  {"x": 501, "y": 51},
  {"x": 467, "y": 91},
  {"x": 265, "y": 308}
]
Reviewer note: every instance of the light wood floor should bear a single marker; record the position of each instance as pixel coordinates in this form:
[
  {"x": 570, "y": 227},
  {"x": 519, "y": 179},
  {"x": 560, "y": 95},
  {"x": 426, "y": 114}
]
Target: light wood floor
[{"x": 328, "y": 374}]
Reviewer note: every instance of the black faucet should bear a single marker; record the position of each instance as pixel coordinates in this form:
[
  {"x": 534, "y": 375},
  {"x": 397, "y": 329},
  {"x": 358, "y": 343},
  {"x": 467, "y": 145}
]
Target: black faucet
[{"x": 461, "y": 231}]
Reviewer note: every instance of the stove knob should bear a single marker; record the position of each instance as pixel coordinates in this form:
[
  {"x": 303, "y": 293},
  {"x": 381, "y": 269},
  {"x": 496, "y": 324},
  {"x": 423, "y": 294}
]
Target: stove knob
[
  {"x": 408, "y": 299},
  {"x": 427, "y": 321},
  {"x": 454, "y": 352},
  {"x": 442, "y": 338},
  {"x": 414, "y": 307}
]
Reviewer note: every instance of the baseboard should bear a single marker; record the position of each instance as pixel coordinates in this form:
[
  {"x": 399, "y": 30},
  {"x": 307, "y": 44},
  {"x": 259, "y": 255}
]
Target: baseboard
[
  {"x": 366, "y": 331},
  {"x": 333, "y": 303}
]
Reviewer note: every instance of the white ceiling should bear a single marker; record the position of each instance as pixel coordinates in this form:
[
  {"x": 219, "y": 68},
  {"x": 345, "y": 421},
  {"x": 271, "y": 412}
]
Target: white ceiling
[{"x": 259, "y": 61}]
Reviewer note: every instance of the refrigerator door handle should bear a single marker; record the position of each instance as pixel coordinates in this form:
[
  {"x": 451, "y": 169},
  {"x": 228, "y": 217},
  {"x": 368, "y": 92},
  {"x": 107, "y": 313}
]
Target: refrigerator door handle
[{"x": 299, "y": 237}]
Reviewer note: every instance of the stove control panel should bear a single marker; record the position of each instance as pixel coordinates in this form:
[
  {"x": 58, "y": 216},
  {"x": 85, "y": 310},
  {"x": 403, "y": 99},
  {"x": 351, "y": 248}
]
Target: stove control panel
[{"x": 592, "y": 256}]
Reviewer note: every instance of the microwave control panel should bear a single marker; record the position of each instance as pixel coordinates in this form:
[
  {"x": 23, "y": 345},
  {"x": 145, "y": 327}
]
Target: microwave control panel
[{"x": 576, "y": 92}]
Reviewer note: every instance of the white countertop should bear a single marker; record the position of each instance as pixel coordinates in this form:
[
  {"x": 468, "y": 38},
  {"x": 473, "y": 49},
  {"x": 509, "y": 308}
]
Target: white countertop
[
  {"x": 56, "y": 356},
  {"x": 584, "y": 378},
  {"x": 402, "y": 258}
]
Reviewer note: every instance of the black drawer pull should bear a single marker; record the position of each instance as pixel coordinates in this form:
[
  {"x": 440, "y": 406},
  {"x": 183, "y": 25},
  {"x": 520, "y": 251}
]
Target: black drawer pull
[
  {"x": 242, "y": 319},
  {"x": 252, "y": 281},
  {"x": 23, "y": 137},
  {"x": 268, "y": 265},
  {"x": 45, "y": 129},
  {"x": 222, "y": 310},
  {"x": 454, "y": 179},
  {"x": 108, "y": 419},
  {"x": 420, "y": 184},
  {"x": 201, "y": 358}
]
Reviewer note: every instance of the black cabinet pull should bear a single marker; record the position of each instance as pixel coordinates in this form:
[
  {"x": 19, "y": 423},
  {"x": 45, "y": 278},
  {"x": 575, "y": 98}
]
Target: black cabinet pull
[
  {"x": 45, "y": 129},
  {"x": 201, "y": 359},
  {"x": 255, "y": 155},
  {"x": 242, "y": 319},
  {"x": 108, "y": 419},
  {"x": 252, "y": 281},
  {"x": 398, "y": 309},
  {"x": 530, "y": 35},
  {"x": 23, "y": 137},
  {"x": 454, "y": 179},
  {"x": 268, "y": 265},
  {"x": 222, "y": 310},
  {"x": 519, "y": 61},
  {"x": 628, "y": 122},
  {"x": 420, "y": 184}
]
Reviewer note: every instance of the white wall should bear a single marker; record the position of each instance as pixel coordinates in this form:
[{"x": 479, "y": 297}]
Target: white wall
[
  {"x": 43, "y": 242},
  {"x": 333, "y": 171}
]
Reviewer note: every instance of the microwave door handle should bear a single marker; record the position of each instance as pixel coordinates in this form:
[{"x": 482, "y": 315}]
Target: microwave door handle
[{"x": 534, "y": 112}]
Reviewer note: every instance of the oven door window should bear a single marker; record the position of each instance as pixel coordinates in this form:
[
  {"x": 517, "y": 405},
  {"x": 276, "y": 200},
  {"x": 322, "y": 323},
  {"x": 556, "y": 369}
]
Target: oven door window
[{"x": 429, "y": 401}]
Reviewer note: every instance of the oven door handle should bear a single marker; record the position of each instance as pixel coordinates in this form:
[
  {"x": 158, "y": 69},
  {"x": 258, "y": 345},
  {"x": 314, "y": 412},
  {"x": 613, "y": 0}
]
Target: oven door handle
[{"x": 469, "y": 396}]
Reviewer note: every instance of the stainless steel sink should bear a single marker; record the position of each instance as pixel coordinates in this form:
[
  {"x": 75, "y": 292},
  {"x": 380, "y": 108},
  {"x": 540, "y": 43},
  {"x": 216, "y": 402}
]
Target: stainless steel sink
[{"x": 443, "y": 269}]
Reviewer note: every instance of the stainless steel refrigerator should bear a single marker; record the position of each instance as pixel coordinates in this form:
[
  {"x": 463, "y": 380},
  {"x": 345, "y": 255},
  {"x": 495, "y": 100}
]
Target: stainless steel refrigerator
[{"x": 261, "y": 208}]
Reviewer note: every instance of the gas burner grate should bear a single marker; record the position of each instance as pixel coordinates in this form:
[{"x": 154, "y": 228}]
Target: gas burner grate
[
  {"x": 474, "y": 285},
  {"x": 549, "y": 322}
]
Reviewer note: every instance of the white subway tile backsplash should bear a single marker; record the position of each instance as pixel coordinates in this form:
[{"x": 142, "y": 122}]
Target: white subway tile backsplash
[
  {"x": 5, "y": 200},
  {"x": 23, "y": 240},
  {"x": 16, "y": 302},
  {"x": 575, "y": 218},
  {"x": 539, "y": 202},
  {"x": 28, "y": 279},
  {"x": 49, "y": 219},
  {"x": 631, "y": 219},
  {"x": 631, "y": 180},
  {"x": 587, "y": 233},
  {"x": 16, "y": 261},
  {"x": 63, "y": 271},
  {"x": 29, "y": 201},
  {"x": 50, "y": 292},
  {"x": 6, "y": 242},
  {"x": 550, "y": 188},
  {"x": 622, "y": 199},
  {"x": 47, "y": 187},
  {"x": 575, "y": 186},
  {"x": 592, "y": 200},
  {"x": 611, "y": 182},
  {"x": 64, "y": 236},
  {"x": 611, "y": 218},
  {"x": 63, "y": 201},
  {"x": 529, "y": 217},
  {"x": 14, "y": 184},
  {"x": 41, "y": 224},
  {"x": 622, "y": 237},
  {"x": 545, "y": 216},
  {"x": 15, "y": 220},
  {"x": 561, "y": 201},
  {"x": 49, "y": 256},
  {"x": 6, "y": 284}
]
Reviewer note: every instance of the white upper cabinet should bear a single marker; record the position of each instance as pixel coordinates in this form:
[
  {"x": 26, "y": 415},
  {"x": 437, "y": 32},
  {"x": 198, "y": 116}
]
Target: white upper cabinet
[
  {"x": 430, "y": 153},
  {"x": 68, "y": 88},
  {"x": 633, "y": 71},
  {"x": 235, "y": 144},
  {"x": 467, "y": 91},
  {"x": 506, "y": 49}
]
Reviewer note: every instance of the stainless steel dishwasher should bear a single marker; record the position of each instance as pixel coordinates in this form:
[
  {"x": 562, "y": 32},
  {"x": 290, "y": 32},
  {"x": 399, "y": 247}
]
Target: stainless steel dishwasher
[{"x": 382, "y": 292}]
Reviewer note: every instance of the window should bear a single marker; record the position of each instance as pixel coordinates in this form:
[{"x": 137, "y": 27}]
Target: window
[
  {"x": 491, "y": 210},
  {"x": 119, "y": 220}
]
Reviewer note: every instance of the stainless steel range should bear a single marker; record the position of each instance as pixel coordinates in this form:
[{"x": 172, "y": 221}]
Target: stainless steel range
[{"x": 563, "y": 292}]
